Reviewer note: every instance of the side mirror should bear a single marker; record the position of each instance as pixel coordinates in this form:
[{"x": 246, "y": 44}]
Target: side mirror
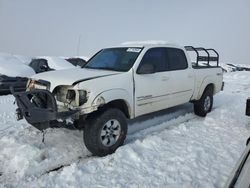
[{"x": 146, "y": 69}]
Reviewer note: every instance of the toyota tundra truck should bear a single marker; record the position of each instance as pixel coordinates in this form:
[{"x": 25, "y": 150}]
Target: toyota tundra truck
[{"x": 121, "y": 83}]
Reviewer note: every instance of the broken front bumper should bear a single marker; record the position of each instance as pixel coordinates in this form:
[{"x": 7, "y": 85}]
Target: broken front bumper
[{"x": 39, "y": 107}]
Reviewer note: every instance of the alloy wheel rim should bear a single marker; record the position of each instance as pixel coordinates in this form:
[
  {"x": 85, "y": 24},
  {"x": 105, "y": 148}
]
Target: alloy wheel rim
[{"x": 110, "y": 132}]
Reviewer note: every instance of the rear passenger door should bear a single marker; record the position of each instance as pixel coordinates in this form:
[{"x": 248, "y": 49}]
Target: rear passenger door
[{"x": 182, "y": 76}]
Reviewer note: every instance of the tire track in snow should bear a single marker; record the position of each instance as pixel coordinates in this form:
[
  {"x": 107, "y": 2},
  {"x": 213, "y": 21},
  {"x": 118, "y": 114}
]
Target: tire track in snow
[{"x": 160, "y": 127}]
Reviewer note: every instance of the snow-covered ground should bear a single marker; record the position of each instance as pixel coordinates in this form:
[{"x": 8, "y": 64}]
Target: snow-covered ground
[{"x": 173, "y": 148}]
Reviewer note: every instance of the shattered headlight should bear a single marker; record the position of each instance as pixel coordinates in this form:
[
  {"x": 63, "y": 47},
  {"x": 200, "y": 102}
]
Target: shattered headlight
[
  {"x": 37, "y": 84},
  {"x": 79, "y": 96},
  {"x": 71, "y": 96}
]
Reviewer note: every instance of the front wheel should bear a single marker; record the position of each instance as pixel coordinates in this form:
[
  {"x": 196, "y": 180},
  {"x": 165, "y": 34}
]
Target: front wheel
[
  {"x": 205, "y": 104},
  {"x": 105, "y": 132}
]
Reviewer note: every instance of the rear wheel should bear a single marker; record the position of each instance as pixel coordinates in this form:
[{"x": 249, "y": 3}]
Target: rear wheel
[
  {"x": 105, "y": 132},
  {"x": 205, "y": 104}
]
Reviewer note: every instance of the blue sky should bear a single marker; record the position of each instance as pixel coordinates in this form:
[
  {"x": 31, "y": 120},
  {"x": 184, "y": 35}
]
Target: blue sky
[{"x": 54, "y": 27}]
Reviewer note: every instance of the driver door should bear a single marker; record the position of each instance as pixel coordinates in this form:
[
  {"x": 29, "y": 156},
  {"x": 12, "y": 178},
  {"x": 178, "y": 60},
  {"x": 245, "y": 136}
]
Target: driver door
[{"x": 152, "y": 82}]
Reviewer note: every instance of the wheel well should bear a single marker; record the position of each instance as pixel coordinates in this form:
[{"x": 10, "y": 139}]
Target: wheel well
[
  {"x": 119, "y": 104},
  {"x": 210, "y": 86}
]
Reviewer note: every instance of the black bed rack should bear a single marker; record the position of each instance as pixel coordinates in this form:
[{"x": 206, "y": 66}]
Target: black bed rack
[{"x": 203, "y": 58}]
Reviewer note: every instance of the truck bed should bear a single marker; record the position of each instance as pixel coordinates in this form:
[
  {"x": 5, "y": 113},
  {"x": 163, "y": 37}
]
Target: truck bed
[{"x": 205, "y": 75}]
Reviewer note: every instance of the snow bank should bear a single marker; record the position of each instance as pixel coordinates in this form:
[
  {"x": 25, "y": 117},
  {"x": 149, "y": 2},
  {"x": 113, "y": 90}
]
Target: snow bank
[
  {"x": 84, "y": 58},
  {"x": 24, "y": 59},
  {"x": 170, "y": 149},
  {"x": 18, "y": 65},
  {"x": 81, "y": 57},
  {"x": 11, "y": 66},
  {"x": 234, "y": 67},
  {"x": 58, "y": 63}
]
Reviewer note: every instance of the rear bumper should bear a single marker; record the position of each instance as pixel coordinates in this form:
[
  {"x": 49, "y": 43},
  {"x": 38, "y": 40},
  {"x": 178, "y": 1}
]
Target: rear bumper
[
  {"x": 39, "y": 106},
  {"x": 248, "y": 107}
]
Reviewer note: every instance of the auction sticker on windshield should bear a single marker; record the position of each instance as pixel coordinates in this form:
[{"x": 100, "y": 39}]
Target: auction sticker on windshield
[{"x": 136, "y": 50}]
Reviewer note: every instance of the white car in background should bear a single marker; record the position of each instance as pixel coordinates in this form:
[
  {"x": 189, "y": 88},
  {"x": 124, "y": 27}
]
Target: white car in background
[
  {"x": 12, "y": 66},
  {"x": 13, "y": 72},
  {"x": 44, "y": 64},
  {"x": 58, "y": 63},
  {"x": 24, "y": 59},
  {"x": 16, "y": 69}
]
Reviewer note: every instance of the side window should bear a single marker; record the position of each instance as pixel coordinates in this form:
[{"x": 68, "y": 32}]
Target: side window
[
  {"x": 176, "y": 59},
  {"x": 156, "y": 58}
]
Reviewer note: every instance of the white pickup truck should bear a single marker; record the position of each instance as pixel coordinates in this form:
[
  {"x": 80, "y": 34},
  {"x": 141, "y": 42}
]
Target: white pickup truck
[{"x": 121, "y": 83}]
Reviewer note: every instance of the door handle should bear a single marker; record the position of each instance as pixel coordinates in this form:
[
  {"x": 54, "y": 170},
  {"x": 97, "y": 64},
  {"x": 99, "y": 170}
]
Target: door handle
[
  {"x": 165, "y": 78},
  {"x": 190, "y": 76}
]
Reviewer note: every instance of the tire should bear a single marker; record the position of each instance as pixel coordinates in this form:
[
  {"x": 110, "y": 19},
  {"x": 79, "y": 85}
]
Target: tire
[
  {"x": 205, "y": 104},
  {"x": 105, "y": 131}
]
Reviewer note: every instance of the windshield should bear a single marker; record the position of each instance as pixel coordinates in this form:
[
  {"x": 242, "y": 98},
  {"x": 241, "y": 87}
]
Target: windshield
[{"x": 116, "y": 59}]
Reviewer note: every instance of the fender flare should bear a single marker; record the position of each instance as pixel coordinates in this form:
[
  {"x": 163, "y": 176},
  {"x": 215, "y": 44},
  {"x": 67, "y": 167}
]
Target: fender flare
[{"x": 207, "y": 81}]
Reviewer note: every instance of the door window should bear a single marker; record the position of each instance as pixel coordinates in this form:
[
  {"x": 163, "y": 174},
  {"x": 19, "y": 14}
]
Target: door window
[{"x": 156, "y": 57}]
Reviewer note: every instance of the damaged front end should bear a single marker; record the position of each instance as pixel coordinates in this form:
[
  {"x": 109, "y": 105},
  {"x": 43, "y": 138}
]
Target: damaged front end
[{"x": 39, "y": 107}]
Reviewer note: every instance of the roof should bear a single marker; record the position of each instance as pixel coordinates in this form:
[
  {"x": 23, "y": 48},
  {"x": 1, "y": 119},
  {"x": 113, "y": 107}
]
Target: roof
[{"x": 142, "y": 44}]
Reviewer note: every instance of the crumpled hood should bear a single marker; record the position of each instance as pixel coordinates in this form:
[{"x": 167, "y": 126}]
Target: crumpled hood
[{"x": 71, "y": 76}]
